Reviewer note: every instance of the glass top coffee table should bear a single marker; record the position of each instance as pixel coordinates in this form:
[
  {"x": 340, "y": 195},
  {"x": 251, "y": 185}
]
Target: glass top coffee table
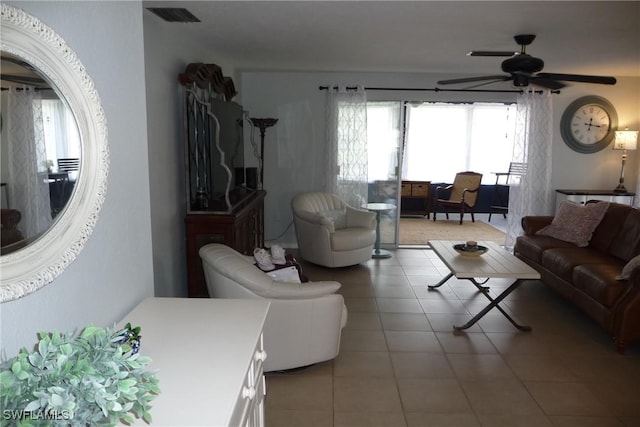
[{"x": 495, "y": 263}]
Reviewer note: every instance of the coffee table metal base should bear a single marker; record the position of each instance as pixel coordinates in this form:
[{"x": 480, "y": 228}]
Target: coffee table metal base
[{"x": 494, "y": 302}]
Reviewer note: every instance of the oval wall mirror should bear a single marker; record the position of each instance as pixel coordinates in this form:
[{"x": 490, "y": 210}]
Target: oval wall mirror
[{"x": 54, "y": 152}]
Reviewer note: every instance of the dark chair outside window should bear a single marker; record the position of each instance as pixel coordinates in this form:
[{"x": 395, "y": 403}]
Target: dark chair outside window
[
  {"x": 463, "y": 194},
  {"x": 500, "y": 199}
]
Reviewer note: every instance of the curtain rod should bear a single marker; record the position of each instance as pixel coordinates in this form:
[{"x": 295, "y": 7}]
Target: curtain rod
[
  {"x": 413, "y": 89},
  {"x": 37, "y": 89}
]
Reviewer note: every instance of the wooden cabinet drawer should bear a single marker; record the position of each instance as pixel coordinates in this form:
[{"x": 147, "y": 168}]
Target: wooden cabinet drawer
[
  {"x": 415, "y": 198},
  {"x": 419, "y": 189}
]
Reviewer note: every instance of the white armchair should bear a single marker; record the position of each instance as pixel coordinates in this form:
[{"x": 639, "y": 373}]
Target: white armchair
[
  {"x": 330, "y": 232},
  {"x": 305, "y": 320}
]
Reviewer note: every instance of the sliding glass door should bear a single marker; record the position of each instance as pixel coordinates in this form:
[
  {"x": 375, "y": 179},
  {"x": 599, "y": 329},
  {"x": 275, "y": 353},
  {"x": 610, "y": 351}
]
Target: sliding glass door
[
  {"x": 384, "y": 150},
  {"x": 431, "y": 142}
]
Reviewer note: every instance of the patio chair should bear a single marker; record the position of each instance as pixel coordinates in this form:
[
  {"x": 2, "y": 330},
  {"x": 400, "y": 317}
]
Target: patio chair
[{"x": 463, "y": 194}]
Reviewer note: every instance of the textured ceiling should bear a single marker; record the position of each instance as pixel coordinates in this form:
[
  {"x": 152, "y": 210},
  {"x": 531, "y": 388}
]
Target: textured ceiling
[{"x": 418, "y": 36}]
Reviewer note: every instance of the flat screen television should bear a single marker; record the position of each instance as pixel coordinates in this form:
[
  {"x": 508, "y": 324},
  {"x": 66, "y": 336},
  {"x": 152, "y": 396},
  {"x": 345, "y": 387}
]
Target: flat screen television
[{"x": 215, "y": 153}]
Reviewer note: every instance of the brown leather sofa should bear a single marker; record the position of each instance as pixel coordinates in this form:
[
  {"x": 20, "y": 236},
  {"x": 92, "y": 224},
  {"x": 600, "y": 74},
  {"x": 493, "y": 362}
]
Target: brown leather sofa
[{"x": 586, "y": 276}]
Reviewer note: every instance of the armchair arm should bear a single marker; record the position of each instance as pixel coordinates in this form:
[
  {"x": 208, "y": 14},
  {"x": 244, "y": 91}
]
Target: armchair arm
[
  {"x": 467, "y": 190},
  {"x": 308, "y": 290},
  {"x": 531, "y": 224},
  {"x": 440, "y": 188},
  {"x": 360, "y": 218}
]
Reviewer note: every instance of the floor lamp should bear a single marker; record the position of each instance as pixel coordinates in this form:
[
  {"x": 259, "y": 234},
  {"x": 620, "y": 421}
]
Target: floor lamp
[
  {"x": 262, "y": 124},
  {"x": 624, "y": 140}
]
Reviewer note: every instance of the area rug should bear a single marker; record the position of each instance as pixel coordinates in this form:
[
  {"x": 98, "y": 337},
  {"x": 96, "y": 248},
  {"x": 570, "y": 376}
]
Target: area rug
[{"x": 418, "y": 231}]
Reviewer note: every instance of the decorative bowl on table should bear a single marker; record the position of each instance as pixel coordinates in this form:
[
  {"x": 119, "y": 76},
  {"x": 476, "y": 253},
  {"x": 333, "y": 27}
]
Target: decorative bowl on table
[{"x": 470, "y": 249}]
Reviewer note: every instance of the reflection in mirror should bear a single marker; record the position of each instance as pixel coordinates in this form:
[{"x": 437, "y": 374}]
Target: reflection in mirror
[
  {"x": 40, "y": 153},
  {"x": 65, "y": 196}
]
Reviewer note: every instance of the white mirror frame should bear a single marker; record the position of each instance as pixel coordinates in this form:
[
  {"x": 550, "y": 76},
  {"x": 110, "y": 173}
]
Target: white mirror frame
[{"x": 32, "y": 267}]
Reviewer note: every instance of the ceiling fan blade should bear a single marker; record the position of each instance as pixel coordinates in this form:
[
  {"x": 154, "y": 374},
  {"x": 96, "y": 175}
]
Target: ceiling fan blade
[
  {"x": 473, "y": 79},
  {"x": 604, "y": 80},
  {"x": 546, "y": 82},
  {"x": 491, "y": 53}
]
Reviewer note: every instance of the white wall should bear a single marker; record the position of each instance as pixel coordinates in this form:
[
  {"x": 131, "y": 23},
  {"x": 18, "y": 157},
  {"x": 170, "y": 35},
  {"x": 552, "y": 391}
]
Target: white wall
[
  {"x": 167, "y": 55},
  {"x": 114, "y": 270},
  {"x": 599, "y": 170},
  {"x": 293, "y": 97}
]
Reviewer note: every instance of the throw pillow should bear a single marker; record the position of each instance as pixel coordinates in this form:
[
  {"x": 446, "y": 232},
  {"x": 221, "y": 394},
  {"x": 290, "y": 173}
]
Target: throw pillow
[
  {"x": 337, "y": 217},
  {"x": 626, "y": 271},
  {"x": 575, "y": 223}
]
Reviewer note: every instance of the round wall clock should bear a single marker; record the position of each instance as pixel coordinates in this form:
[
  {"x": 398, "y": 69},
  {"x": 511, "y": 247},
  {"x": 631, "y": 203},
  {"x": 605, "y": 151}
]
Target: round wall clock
[{"x": 588, "y": 124}]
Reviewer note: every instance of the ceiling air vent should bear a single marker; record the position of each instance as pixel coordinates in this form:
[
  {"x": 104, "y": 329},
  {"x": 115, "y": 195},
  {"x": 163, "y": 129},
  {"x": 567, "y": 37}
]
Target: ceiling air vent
[{"x": 174, "y": 14}]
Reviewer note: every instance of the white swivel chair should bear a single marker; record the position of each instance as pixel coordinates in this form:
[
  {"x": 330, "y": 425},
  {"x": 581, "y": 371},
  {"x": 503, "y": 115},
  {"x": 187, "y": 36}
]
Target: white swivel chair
[
  {"x": 330, "y": 232},
  {"x": 305, "y": 320}
]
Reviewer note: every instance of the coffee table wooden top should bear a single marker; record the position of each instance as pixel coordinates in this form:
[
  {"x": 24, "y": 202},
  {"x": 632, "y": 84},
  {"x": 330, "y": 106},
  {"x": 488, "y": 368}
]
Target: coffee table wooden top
[{"x": 495, "y": 263}]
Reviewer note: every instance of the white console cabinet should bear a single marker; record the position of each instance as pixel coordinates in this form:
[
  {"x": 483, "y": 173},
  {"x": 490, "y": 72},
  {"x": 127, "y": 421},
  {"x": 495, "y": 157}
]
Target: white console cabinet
[
  {"x": 209, "y": 356},
  {"x": 583, "y": 196}
]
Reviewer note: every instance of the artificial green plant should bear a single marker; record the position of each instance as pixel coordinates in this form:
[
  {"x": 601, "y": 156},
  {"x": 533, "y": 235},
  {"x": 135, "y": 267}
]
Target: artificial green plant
[{"x": 96, "y": 377}]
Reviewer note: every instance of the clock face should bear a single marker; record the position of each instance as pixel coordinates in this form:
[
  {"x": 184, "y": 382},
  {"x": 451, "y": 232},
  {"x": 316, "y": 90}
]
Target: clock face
[{"x": 590, "y": 124}]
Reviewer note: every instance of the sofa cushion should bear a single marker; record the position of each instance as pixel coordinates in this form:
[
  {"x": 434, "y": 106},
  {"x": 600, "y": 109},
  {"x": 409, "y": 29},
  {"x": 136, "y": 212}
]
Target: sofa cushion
[
  {"x": 562, "y": 261},
  {"x": 599, "y": 282},
  {"x": 532, "y": 246},
  {"x": 626, "y": 243},
  {"x": 605, "y": 233},
  {"x": 575, "y": 223},
  {"x": 626, "y": 270}
]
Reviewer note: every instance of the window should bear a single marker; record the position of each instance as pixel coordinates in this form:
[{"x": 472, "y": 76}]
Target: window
[
  {"x": 443, "y": 139},
  {"x": 60, "y": 131},
  {"x": 383, "y": 139}
]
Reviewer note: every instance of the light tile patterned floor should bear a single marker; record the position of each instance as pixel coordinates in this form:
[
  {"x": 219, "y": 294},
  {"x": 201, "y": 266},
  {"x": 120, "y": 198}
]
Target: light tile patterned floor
[{"x": 401, "y": 363}]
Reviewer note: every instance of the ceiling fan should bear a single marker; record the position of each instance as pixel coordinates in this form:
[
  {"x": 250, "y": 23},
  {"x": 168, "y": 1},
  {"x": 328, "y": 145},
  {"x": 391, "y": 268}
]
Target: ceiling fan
[{"x": 524, "y": 69}]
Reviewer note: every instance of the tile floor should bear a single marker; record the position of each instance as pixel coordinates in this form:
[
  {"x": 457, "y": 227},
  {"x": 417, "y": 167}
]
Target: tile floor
[{"x": 401, "y": 363}]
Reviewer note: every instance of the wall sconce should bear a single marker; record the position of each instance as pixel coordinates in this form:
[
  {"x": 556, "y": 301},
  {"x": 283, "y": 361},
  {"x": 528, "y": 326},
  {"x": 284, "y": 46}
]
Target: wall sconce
[{"x": 624, "y": 140}]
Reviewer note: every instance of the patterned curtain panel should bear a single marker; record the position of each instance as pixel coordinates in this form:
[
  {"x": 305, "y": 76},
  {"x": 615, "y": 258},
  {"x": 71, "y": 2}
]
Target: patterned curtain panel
[
  {"x": 347, "y": 168},
  {"x": 532, "y": 194},
  {"x": 28, "y": 186}
]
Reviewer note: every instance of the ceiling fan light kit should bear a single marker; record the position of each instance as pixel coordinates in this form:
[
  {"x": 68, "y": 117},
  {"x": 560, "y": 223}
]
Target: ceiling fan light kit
[{"x": 524, "y": 69}]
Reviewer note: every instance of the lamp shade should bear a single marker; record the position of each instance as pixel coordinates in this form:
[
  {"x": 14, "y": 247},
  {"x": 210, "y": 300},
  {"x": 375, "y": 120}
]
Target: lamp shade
[{"x": 626, "y": 140}]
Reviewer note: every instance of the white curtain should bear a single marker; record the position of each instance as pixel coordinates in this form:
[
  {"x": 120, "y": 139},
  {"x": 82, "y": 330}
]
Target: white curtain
[
  {"x": 347, "y": 168},
  {"x": 532, "y": 193},
  {"x": 28, "y": 186},
  {"x": 60, "y": 130}
]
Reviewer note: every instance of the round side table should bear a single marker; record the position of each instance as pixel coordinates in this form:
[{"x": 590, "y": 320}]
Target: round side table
[{"x": 378, "y": 208}]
